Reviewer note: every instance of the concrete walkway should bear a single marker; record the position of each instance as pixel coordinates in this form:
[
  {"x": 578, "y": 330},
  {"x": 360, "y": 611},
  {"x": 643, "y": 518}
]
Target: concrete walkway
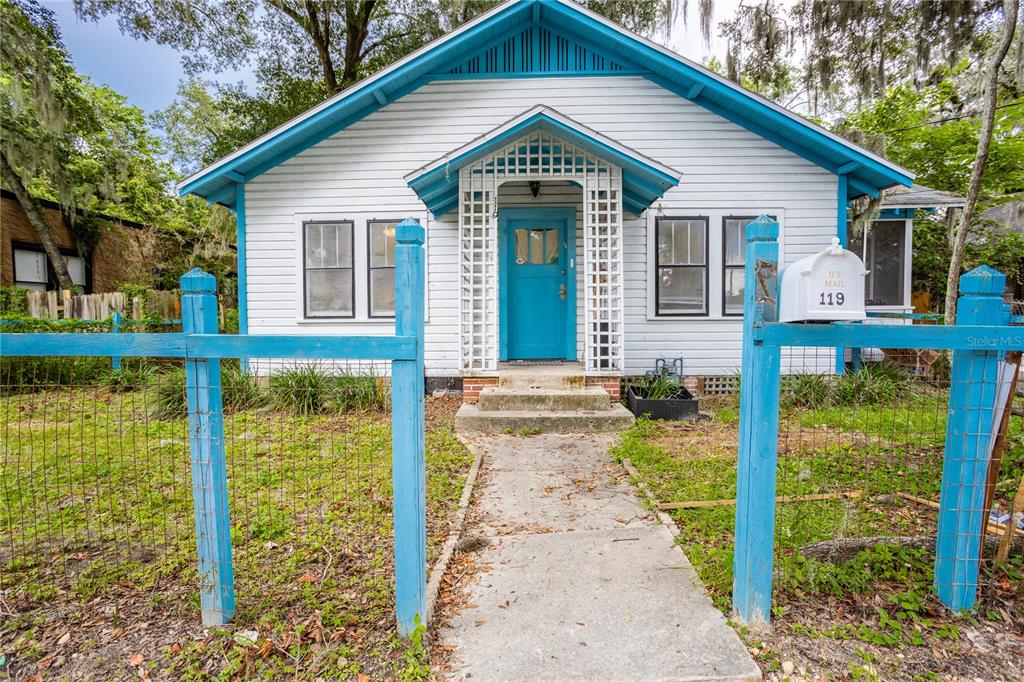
[{"x": 580, "y": 582}]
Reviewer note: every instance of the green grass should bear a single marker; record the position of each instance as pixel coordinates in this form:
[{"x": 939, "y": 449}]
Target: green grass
[
  {"x": 97, "y": 505},
  {"x": 880, "y": 449}
]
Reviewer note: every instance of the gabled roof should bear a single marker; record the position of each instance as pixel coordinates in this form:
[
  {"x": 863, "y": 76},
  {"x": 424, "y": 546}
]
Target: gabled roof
[
  {"x": 522, "y": 38},
  {"x": 643, "y": 178}
]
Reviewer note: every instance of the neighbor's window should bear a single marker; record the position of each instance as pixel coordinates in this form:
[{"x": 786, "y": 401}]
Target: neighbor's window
[
  {"x": 328, "y": 269},
  {"x": 32, "y": 268},
  {"x": 382, "y": 267},
  {"x": 681, "y": 266},
  {"x": 885, "y": 257},
  {"x": 734, "y": 246}
]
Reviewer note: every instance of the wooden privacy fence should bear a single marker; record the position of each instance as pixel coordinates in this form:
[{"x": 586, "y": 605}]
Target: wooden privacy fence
[
  {"x": 54, "y": 305},
  {"x": 979, "y": 341},
  {"x": 201, "y": 349}
]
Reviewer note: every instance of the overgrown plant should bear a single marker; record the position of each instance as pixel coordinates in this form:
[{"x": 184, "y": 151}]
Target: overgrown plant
[
  {"x": 654, "y": 388},
  {"x": 302, "y": 389}
]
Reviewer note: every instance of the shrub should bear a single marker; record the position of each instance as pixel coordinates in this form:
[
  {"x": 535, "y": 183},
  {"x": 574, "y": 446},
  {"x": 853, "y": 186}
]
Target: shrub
[
  {"x": 241, "y": 390},
  {"x": 27, "y": 374},
  {"x": 805, "y": 390},
  {"x": 169, "y": 395},
  {"x": 654, "y": 388},
  {"x": 130, "y": 377},
  {"x": 872, "y": 384},
  {"x": 303, "y": 389},
  {"x": 367, "y": 392}
]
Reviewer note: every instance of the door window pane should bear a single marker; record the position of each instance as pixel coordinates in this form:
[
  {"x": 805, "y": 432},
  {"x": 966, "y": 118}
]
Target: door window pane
[
  {"x": 537, "y": 247},
  {"x": 522, "y": 246},
  {"x": 551, "y": 246}
]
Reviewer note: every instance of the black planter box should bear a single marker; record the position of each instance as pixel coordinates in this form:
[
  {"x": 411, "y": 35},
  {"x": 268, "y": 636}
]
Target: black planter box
[{"x": 682, "y": 406}]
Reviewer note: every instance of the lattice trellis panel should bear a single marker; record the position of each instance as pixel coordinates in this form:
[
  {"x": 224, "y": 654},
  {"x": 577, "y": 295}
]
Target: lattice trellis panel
[{"x": 537, "y": 156}]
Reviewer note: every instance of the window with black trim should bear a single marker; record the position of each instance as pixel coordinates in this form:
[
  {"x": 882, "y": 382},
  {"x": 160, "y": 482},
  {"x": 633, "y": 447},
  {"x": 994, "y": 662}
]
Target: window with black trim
[
  {"x": 734, "y": 247},
  {"x": 681, "y": 255},
  {"x": 328, "y": 272},
  {"x": 32, "y": 269},
  {"x": 381, "y": 245}
]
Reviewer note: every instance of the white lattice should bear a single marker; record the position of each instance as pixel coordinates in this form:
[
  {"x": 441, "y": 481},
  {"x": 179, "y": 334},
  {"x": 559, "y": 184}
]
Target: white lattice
[{"x": 537, "y": 156}]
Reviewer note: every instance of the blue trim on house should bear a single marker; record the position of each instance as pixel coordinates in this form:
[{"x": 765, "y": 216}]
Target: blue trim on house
[
  {"x": 642, "y": 184},
  {"x": 566, "y": 213},
  {"x": 897, "y": 213},
  {"x": 611, "y": 50},
  {"x": 243, "y": 291}
]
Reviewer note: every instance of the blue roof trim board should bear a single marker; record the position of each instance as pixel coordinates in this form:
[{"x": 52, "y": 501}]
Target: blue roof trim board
[
  {"x": 643, "y": 179},
  {"x": 533, "y": 38}
]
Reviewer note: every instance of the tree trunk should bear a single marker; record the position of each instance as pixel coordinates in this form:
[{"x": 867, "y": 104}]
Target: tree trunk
[
  {"x": 980, "y": 160},
  {"x": 357, "y": 30},
  {"x": 38, "y": 222}
]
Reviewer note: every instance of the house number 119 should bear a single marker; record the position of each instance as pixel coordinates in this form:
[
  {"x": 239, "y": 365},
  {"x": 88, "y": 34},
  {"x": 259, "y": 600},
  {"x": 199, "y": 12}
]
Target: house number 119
[{"x": 830, "y": 299}]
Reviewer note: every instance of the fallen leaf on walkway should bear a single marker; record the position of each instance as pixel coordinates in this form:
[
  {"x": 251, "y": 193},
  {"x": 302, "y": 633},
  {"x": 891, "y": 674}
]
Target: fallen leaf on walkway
[
  {"x": 581, "y": 624},
  {"x": 478, "y": 622}
]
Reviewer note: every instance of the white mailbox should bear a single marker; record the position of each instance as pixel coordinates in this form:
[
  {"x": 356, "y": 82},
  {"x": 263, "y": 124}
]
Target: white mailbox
[{"x": 824, "y": 287}]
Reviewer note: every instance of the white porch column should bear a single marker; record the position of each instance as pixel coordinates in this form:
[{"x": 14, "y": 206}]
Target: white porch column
[{"x": 603, "y": 263}]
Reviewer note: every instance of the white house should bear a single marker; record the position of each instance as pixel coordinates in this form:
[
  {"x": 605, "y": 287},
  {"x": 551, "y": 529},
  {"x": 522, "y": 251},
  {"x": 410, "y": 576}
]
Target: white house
[{"x": 584, "y": 192}]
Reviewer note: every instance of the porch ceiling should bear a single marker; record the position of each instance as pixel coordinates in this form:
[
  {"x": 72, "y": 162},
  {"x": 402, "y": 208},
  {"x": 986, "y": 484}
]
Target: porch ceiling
[{"x": 644, "y": 180}]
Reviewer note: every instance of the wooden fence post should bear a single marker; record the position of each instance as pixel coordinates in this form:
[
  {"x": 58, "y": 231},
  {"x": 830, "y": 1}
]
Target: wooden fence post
[
  {"x": 206, "y": 441},
  {"x": 972, "y": 396},
  {"x": 115, "y": 328},
  {"x": 408, "y": 433},
  {"x": 759, "y": 428}
]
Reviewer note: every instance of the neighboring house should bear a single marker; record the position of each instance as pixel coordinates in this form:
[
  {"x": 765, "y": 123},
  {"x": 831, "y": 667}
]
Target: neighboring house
[
  {"x": 124, "y": 253},
  {"x": 888, "y": 250},
  {"x": 584, "y": 193}
]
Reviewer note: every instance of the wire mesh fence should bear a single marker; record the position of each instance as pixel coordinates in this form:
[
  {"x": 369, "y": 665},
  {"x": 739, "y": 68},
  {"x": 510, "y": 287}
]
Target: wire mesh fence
[
  {"x": 860, "y": 470},
  {"x": 97, "y": 499}
]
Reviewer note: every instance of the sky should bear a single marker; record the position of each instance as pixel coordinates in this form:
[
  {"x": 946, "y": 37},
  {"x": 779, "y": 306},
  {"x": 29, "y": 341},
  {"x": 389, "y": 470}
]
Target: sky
[{"x": 148, "y": 74}]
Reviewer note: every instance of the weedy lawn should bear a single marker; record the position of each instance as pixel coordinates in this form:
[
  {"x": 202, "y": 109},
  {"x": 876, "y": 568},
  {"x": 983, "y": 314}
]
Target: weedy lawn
[
  {"x": 98, "y": 556},
  {"x": 871, "y": 616}
]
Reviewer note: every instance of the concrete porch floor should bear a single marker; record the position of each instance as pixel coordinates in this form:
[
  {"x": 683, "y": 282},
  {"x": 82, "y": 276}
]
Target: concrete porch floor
[{"x": 580, "y": 581}]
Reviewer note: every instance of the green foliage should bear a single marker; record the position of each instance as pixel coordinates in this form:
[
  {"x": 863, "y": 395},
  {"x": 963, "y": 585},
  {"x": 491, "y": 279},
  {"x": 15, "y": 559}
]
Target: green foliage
[
  {"x": 13, "y": 301},
  {"x": 29, "y": 374},
  {"x": 132, "y": 376},
  {"x": 310, "y": 389},
  {"x": 872, "y": 384},
  {"x": 654, "y": 388},
  {"x": 168, "y": 393},
  {"x": 241, "y": 390}
]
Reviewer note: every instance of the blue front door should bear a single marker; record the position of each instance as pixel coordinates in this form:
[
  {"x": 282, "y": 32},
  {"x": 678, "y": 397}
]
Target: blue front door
[{"x": 538, "y": 263}]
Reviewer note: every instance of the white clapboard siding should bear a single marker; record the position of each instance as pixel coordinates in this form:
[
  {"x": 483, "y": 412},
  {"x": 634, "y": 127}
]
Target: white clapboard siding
[{"x": 726, "y": 169}]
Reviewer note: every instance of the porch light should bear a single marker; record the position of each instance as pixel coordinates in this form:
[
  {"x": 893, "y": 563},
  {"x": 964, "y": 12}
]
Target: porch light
[{"x": 535, "y": 188}]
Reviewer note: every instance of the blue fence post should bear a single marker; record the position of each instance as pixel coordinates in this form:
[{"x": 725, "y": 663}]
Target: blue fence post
[
  {"x": 759, "y": 428},
  {"x": 408, "y": 433},
  {"x": 972, "y": 396},
  {"x": 115, "y": 328},
  {"x": 209, "y": 466}
]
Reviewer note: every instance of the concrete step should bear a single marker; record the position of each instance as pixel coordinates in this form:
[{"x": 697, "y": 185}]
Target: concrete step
[
  {"x": 500, "y": 399},
  {"x": 559, "y": 376},
  {"x": 472, "y": 418}
]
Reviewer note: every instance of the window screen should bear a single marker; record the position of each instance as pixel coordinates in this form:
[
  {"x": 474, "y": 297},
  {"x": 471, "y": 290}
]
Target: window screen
[
  {"x": 884, "y": 255},
  {"x": 382, "y": 268},
  {"x": 30, "y": 269},
  {"x": 328, "y": 269},
  {"x": 682, "y": 266}
]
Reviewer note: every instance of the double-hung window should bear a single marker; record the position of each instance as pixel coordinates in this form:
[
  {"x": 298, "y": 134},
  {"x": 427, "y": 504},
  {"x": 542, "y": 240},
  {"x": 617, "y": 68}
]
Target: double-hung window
[
  {"x": 381, "y": 241},
  {"x": 734, "y": 247},
  {"x": 328, "y": 269},
  {"x": 681, "y": 280}
]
